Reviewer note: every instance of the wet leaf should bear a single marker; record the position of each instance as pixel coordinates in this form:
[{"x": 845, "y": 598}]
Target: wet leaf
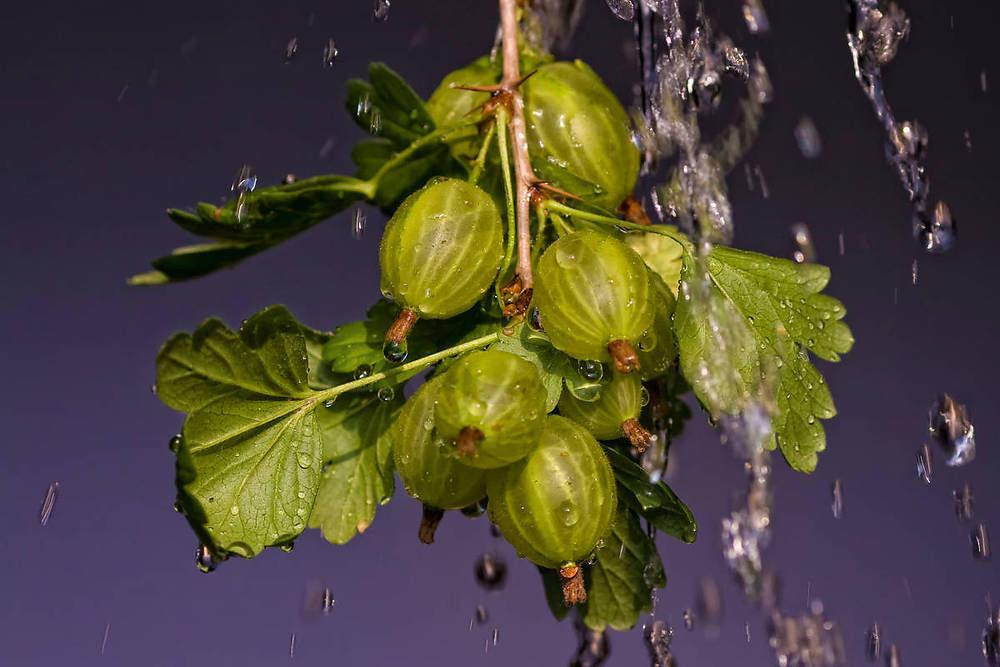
[
  {"x": 785, "y": 317},
  {"x": 387, "y": 107},
  {"x": 656, "y": 503},
  {"x": 620, "y": 583}
]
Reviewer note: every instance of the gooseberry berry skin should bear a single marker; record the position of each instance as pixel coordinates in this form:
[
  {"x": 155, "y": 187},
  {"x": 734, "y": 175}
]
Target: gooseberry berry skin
[
  {"x": 557, "y": 503},
  {"x": 657, "y": 349},
  {"x": 592, "y": 290},
  {"x": 425, "y": 463},
  {"x": 662, "y": 255},
  {"x": 450, "y": 105},
  {"x": 576, "y": 125},
  {"x": 500, "y": 396},
  {"x": 620, "y": 400},
  {"x": 442, "y": 249}
]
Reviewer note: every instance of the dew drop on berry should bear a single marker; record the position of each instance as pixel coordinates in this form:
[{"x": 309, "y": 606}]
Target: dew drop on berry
[{"x": 589, "y": 370}]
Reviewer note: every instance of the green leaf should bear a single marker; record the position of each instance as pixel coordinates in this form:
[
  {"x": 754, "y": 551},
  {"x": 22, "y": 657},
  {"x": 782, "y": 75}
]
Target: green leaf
[
  {"x": 387, "y": 107},
  {"x": 360, "y": 343},
  {"x": 774, "y": 314},
  {"x": 271, "y": 215},
  {"x": 249, "y": 462},
  {"x": 553, "y": 365},
  {"x": 656, "y": 503},
  {"x": 359, "y": 470},
  {"x": 621, "y": 580}
]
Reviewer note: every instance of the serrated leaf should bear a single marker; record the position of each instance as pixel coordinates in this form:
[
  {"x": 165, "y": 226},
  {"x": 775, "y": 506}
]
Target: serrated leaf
[
  {"x": 358, "y": 474},
  {"x": 553, "y": 365},
  {"x": 620, "y": 583},
  {"x": 655, "y": 502},
  {"x": 779, "y": 305},
  {"x": 249, "y": 462},
  {"x": 271, "y": 215}
]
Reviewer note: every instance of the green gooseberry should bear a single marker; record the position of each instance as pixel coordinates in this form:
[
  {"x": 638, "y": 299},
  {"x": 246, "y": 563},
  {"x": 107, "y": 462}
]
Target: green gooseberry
[
  {"x": 426, "y": 464},
  {"x": 492, "y": 404},
  {"x": 556, "y": 504},
  {"x": 592, "y": 293},
  {"x": 615, "y": 413}
]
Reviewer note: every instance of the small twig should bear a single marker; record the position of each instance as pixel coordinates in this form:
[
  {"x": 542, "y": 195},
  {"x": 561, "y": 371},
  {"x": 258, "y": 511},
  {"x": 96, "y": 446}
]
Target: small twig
[{"x": 523, "y": 173}]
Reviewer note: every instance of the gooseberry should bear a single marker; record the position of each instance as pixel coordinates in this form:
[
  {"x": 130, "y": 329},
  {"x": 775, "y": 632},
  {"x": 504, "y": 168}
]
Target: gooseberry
[
  {"x": 592, "y": 292},
  {"x": 492, "y": 405},
  {"x": 426, "y": 464},
  {"x": 614, "y": 414},
  {"x": 557, "y": 503}
]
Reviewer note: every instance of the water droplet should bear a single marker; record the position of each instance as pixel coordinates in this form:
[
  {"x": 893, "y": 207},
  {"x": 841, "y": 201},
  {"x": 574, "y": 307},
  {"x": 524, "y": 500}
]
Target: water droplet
[
  {"x": 936, "y": 233},
  {"x": 291, "y": 48},
  {"x": 362, "y": 371},
  {"x": 592, "y": 371},
  {"x": 288, "y": 179},
  {"x": 386, "y": 394},
  {"x": 873, "y": 642},
  {"x": 381, "y": 11},
  {"x": 394, "y": 352},
  {"x": 304, "y": 459},
  {"x": 330, "y": 53},
  {"x": 243, "y": 184},
  {"x": 647, "y": 341},
  {"x": 568, "y": 512},
  {"x": 688, "y": 620},
  {"x": 925, "y": 465},
  {"x": 644, "y": 397},
  {"x": 892, "y": 657},
  {"x": 755, "y": 17},
  {"x": 623, "y": 9},
  {"x": 658, "y": 636},
  {"x": 980, "y": 540},
  {"x": 593, "y": 646},
  {"x": 328, "y": 403},
  {"x": 491, "y": 572},
  {"x": 175, "y": 443},
  {"x": 991, "y": 638},
  {"x": 204, "y": 559},
  {"x": 535, "y": 319},
  {"x": 287, "y": 546},
  {"x": 952, "y": 428},
  {"x": 803, "y": 249},
  {"x": 481, "y": 616},
  {"x": 963, "y": 502},
  {"x": 838, "y": 499},
  {"x": 358, "y": 224},
  {"x": 48, "y": 503}
]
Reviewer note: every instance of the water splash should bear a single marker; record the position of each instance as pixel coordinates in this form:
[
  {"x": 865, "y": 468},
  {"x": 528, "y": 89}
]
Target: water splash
[
  {"x": 755, "y": 17},
  {"x": 803, "y": 249},
  {"x": 876, "y": 28},
  {"x": 838, "y": 499},
  {"x": 380, "y": 11},
  {"x": 708, "y": 605},
  {"x": 952, "y": 428},
  {"x": 291, "y": 48},
  {"x": 808, "y": 640},
  {"x": 991, "y": 638},
  {"x": 593, "y": 646},
  {"x": 892, "y": 658},
  {"x": 243, "y": 184},
  {"x": 925, "y": 464},
  {"x": 330, "y": 53},
  {"x": 658, "y": 636},
  {"x": 979, "y": 538},
  {"x": 623, "y": 9},
  {"x": 873, "y": 642},
  {"x": 963, "y": 502}
]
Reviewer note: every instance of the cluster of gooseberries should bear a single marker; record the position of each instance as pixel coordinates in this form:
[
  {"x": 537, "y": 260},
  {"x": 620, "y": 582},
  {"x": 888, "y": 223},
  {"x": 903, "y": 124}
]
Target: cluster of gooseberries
[{"x": 478, "y": 432}]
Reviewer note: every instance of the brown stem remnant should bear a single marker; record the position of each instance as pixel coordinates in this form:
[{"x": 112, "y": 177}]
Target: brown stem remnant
[
  {"x": 401, "y": 327},
  {"x": 637, "y": 435},
  {"x": 624, "y": 356},
  {"x": 516, "y": 298},
  {"x": 468, "y": 440},
  {"x": 633, "y": 211},
  {"x": 574, "y": 591},
  {"x": 429, "y": 523}
]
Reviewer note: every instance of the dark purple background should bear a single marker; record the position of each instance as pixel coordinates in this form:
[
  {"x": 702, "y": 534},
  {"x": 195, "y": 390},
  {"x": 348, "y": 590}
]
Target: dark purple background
[{"x": 87, "y": 167}]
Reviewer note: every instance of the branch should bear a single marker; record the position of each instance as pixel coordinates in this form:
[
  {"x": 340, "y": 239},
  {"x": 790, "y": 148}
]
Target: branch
[{"x": 526, "y": 181}]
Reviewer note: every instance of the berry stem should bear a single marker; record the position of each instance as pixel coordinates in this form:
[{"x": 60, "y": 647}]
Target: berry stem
[
  {"x": 468, "y": 440},
  {"x": 402, "y": 326},
  {"x": 524, "y": 175},
  {"x": 480, "y": 161},
  {"x": 573, "y": 588},
  {"x": 662, "y": 230},
  {"x": 428, "y": 524},
  {"x": 508, "y": 186}
]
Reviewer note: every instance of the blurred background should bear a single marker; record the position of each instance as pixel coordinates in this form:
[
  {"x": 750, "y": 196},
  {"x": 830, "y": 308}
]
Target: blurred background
[{"x": 113, "y": 111}]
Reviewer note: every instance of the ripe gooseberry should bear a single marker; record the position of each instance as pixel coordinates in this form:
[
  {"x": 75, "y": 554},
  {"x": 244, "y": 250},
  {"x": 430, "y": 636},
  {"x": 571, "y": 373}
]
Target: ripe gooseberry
[
  {"x": 492, "y": 404},
  {"x": 426, "y": 465},
  {"x": 592, "y": 292},
  {"x": 440, "y": 252},
  {"x": 615, "y": 412},
  {"x": 557, "y": 503}
]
